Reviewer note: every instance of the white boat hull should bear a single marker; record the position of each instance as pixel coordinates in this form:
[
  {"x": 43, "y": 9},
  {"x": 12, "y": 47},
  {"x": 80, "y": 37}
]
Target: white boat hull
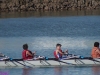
[{"x": 51, "y": 62}]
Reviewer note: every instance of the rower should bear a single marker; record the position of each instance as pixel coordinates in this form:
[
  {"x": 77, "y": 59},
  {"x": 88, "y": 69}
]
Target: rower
[
  {"x": 95, "y": 51},
  {"x": 27, "y": 54},
  {"x": 58, "y": 52}
]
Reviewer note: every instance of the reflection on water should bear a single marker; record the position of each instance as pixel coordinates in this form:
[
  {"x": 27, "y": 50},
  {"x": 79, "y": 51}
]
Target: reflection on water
[
  {"x": 61, "y": 71},
  {"x": 49, "y": 13},
  {"x": 96, "y": 70},
  {"x": 57, "y": 71},
  {"x": 26, "y": 71}
]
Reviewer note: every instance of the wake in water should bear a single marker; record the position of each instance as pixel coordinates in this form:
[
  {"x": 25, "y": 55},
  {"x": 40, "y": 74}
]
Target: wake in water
[{"x": 48, "y": 42}]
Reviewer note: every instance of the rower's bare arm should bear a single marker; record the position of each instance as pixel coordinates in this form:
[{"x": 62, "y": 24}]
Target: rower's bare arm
[
  {"x": 61, "y": 52},
  {"x": 98, "y": 51},
  {"x": 28, "y": 53}
]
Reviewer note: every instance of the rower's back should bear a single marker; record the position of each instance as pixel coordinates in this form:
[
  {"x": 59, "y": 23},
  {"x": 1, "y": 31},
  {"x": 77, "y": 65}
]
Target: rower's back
[
  {"x": 95, "y": 51},
  {"x": 25, "y": 56}
]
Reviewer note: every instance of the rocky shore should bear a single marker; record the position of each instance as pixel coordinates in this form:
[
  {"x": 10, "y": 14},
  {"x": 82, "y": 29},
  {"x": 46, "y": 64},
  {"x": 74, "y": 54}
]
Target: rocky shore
[{"x": 48, "y": 5}]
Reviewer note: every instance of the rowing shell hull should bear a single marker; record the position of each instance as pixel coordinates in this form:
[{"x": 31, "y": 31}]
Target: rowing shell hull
[{"x": 47, "y": 63}]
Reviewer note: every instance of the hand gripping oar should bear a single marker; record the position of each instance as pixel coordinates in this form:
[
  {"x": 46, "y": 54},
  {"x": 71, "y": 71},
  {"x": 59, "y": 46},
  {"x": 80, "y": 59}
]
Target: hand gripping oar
[{"x": 15, "y": 61}]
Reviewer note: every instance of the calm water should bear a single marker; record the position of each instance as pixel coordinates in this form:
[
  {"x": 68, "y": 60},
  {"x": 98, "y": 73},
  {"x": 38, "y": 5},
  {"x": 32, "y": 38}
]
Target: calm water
[{"x": 76, "y": 33}]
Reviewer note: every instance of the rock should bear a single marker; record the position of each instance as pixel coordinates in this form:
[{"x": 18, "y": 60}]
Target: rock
[
  {"x": 38, "y": 6},
  {"x": 23, "y": 7},
  {"x": 31, "y": 5},
  {"x": 4, "y": 1},
  {"x": 16, "y": 2},
  {"x": 41, "y": 6},
  {"x": 46, "y": 8},
  {"x": 14, "y": 8},
  {"x": 58, "y": 6},
  {"x": 27, "y": 1},
  {"x": 9, "y": 6},
  {"x": 31, "y": 9},
  {"x": 73, "y": 8},
  {"x": 79, "y": 3},
  {"x": 35, "y": 1},
  {"x": 46, "y": 1},
  {"x": 65, "y": 3},
  {"x": 3, "y": 6},
  {"x": 27, "y": 5}
]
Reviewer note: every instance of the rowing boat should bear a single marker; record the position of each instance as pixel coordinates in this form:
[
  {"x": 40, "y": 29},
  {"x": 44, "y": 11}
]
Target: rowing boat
[{"x": 50, "y": 62}]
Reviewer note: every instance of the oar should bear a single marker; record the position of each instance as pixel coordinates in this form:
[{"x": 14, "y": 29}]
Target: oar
[
  {"x": 22, "y": 64},
  {"x": 93, "y": 60},
  {"x": 60, "y": 61},
  {"x": 90, "y": 58},
  {"x": 16, "y": 61},
  {"x": 65, "y": 62}
]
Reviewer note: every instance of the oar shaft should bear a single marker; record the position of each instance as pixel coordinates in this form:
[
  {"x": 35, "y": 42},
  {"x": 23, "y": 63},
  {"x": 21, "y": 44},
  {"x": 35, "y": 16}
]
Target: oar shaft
[
  {"x": 21, "y": 63},
  {"x": 65, "y": 62}
]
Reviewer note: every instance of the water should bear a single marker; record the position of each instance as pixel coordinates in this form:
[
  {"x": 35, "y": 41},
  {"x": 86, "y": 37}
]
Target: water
[{"x": 75, "y": 33}]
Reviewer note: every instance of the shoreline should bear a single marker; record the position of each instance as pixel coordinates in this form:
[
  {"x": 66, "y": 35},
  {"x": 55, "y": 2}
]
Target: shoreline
[
  {"x": 48, "y": 5},
  {"x": 49, "y": 13}
]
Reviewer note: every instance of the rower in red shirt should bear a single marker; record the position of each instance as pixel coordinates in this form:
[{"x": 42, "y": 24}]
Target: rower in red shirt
[
  {"x": 58, "y": 52},
  {"x": 95, "y": 51},
  {"x": 27, "y": 54}
]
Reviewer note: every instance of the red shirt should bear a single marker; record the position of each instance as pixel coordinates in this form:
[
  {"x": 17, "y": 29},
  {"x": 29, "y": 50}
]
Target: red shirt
[
  {"x": 24, "y": 56},
  {"x": 57, "y": 55}
]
